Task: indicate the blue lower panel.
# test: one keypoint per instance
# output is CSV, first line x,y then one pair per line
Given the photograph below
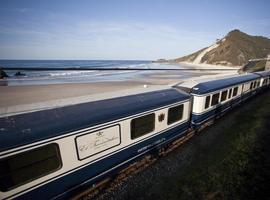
x,y
246,96
199,119
70,181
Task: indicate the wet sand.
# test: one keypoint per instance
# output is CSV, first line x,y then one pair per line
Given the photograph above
x,y
16,95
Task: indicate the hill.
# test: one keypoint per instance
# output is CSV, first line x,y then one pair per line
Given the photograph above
x,y
235,49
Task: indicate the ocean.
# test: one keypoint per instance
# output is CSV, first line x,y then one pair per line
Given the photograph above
x,y
73,63
38,77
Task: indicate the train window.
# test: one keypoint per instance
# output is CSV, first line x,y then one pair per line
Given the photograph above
x,y
175,114
207,102
27,166
254,84
230,93
251,86
215,99
142,125
224,95
235,90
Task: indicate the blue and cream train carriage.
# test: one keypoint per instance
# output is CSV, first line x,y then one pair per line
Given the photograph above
x,y
212,98
265,79
53,153
48,154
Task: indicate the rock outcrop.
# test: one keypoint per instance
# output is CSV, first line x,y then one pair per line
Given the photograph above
x,y
3,74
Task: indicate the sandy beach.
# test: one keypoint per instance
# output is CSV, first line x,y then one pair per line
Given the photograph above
x,y
20,99
29,98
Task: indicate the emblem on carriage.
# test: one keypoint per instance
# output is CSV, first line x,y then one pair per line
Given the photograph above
x,y
99,133
161,117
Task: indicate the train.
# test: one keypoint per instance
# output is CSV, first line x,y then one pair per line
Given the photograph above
x,y
51,154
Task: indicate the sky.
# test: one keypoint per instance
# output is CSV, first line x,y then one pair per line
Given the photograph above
x,y
123,29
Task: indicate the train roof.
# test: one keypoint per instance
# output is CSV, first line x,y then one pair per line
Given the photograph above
x,y
26,128
210,86
264,73
188,84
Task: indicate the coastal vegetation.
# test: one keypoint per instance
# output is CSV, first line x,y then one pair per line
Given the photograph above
x,y
235,49
254,66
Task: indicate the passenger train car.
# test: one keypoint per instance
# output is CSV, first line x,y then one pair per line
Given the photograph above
x,y
51,154
47,154
211,99
265,79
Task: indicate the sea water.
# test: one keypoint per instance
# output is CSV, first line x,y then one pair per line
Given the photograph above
x,y
59,76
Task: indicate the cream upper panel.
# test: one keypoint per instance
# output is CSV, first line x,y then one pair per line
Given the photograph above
x,y
199,101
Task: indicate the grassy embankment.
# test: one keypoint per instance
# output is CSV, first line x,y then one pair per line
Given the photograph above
x,y
259,66
254,66
237,166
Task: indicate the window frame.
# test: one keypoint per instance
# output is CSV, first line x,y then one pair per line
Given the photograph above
x,y
221,98
213,98
235,91
139,135
230,93
251,86
182,114
207,102
26,167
